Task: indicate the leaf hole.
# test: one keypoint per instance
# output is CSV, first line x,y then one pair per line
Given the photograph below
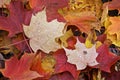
x,y
75,30
4,12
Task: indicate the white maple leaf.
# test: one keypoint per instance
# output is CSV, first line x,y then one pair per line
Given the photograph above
x,y
82,56
42,34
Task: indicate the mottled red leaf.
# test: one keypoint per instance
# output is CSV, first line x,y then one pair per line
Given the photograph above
x,y
111,76
62,76
52,7
81,39
101,38
106,58
20,69
18,16
62,65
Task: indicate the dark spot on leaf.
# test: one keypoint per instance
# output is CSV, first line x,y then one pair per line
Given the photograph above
x,y
55,3
85,52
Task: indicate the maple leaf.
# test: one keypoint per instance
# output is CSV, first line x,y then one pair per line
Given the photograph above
x,y
114,28
62,65
82,56
62,76
105,58
20,69
18,16
44,33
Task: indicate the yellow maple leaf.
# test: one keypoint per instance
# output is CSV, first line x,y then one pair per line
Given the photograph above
x,y
113,30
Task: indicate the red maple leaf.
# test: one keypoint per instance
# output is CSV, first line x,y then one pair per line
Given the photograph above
x,y
106,58
18,16
62,65
20,69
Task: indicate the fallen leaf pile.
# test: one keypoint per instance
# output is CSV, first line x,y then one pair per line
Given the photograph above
x,y
59,39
